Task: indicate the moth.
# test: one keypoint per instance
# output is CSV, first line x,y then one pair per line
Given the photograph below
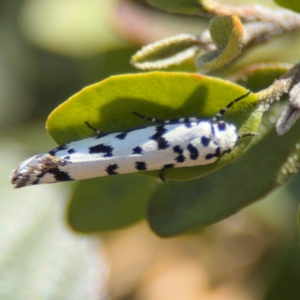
x,y
176,143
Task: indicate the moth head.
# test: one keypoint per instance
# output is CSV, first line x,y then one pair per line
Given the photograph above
x,y
226,136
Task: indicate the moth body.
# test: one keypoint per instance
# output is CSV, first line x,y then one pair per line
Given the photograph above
x,y
169,144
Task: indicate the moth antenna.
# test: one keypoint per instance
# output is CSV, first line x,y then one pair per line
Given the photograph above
x,y
99,132
219,115
150,119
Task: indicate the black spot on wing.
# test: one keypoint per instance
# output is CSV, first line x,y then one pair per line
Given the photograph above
x,y
62,147
140,166
137,150
187,123
205,141
162,143
60,175
55,150
216,154
194,153
111,169
101,148
71,151
121,136
222,126
177,149
180,158
228,150
209,156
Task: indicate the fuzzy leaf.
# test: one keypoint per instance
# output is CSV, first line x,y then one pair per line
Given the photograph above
x,y
228,34
260,75
290,4
109,203
166,52
108,105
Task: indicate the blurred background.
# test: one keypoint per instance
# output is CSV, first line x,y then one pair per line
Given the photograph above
x,y
51,49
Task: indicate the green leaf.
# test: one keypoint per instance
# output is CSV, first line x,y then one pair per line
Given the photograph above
x,y
110,202
290,4
285,271
176,208
258,76
228,34
188,7
166,52
298,218
108,105
179,207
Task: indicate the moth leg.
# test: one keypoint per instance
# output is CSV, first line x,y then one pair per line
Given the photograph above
x,y
98,132
161,172
161,175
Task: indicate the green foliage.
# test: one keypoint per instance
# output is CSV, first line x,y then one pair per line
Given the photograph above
x,y
260,242
177,206
227,33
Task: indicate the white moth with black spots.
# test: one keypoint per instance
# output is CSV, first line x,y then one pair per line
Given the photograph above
x,y
184,142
